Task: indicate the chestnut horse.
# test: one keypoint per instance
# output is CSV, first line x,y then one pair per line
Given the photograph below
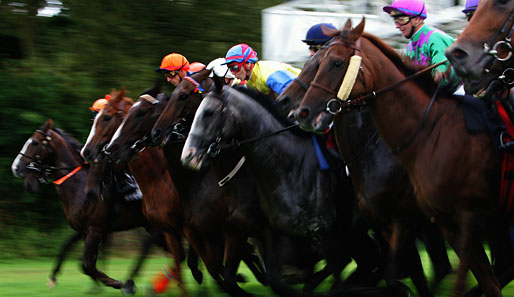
x,y
51,153
161,203
201,216
384,193
455,174
483,51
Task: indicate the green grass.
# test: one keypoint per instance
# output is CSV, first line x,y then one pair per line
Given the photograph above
x,y
21,277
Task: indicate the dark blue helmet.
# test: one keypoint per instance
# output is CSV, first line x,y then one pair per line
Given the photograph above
x,y
315,34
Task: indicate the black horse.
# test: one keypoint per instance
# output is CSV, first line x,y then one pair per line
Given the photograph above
x,y
297,197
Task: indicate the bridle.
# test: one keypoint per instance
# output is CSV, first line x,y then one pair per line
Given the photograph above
x,y
45,170
217,146
343,102
507,76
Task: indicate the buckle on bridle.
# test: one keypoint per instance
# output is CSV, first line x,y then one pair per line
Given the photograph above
x,y
507,77
494,51
333,106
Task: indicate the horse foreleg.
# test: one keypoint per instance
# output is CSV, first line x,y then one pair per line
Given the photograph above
x,y
436,250
91,243
175,246
234,249
62,255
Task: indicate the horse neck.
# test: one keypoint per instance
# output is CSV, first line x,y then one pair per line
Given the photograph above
x,y
285,148
397,112
64,155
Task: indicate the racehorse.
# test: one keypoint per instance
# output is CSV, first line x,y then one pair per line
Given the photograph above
x,y
51,153
483,51
455,174
297,197
161,203
202,217
384,194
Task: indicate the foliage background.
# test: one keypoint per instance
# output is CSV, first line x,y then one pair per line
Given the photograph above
x,y
55,67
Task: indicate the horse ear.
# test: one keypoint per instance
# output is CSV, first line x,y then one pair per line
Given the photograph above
x,y
219,82
357,32
329,31
347,26
47,125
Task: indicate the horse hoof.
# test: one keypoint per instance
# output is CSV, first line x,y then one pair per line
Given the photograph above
x,y
129,288
51,283
198,276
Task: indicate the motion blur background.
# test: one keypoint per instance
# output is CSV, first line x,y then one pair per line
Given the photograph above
x,y
57,57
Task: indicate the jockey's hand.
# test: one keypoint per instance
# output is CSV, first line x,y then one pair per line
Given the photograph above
x,y
439,75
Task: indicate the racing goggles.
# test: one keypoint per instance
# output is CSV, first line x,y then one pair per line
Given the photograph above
x,y
235,67
315,47
401,19
171,74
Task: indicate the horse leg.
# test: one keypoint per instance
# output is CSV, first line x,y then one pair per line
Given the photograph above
x,y
192,263
234,249
175,247
254,263
62,255
92,240
153,237
502,257
416,269
436,249
472,255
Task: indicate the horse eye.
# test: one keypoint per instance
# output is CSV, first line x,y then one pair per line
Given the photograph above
x,y
34,142
208,113
338,64
502,2
107,118
140,113
183,97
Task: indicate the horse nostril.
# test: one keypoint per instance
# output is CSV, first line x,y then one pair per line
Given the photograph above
x,y
458,53
303,113
86,153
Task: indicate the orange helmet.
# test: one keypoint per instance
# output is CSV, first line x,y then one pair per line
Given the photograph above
x,y
173,62
100,103
195,67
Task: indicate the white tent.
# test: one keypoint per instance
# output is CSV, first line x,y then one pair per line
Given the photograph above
x,y
285,25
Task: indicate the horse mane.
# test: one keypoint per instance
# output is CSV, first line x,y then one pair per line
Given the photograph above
x,y
267,102
405,64
75,145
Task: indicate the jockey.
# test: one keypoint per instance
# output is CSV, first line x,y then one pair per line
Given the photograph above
x,y
315,37
469,8
195,67
263,76
175,67
220,69
427,44
99,104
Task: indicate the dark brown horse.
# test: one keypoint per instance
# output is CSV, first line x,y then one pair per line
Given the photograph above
x,y
51,154
384,193
201,218
161,203
455,174
483,52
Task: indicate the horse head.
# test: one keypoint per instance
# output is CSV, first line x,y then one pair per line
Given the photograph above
x,y
133,134
45,154
183,102
292,95
315,114
105,124
213,124
483,51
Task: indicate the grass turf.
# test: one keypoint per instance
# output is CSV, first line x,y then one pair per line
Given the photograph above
x,y
21,277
